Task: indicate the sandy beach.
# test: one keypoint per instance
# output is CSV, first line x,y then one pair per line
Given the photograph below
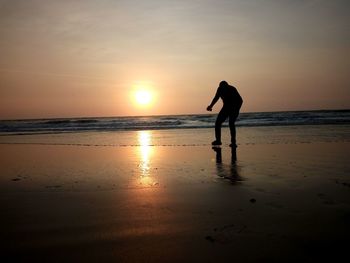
x,y
167,196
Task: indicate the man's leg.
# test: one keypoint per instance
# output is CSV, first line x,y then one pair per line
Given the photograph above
x,y
222,116
232,120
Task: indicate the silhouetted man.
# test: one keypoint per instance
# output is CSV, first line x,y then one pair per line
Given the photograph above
x,y
232,104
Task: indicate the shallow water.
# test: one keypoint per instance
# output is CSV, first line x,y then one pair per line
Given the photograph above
x,y
190,137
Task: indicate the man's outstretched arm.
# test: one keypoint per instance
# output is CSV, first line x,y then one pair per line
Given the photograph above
x,y
215,99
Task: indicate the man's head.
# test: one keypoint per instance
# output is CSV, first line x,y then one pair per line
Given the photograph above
x,y
223,84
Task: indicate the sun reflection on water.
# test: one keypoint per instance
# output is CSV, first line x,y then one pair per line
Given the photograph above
x,y
145,152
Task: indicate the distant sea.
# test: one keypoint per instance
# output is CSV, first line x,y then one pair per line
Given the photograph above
x,y
194,121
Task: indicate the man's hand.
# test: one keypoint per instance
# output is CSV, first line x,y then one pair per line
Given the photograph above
x,y
209,108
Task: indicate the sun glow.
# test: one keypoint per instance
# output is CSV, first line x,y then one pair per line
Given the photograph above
x,y
143,97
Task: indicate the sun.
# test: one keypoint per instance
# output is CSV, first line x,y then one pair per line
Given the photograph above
x,y
143,97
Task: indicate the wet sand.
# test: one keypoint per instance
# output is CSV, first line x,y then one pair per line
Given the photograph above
x,y
266,202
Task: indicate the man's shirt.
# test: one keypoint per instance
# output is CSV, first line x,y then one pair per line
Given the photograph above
x,y
230,97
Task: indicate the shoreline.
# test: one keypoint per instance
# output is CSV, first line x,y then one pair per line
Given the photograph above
x,y
157,123
184,137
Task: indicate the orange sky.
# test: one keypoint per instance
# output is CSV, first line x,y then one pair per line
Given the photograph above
x,y
83,58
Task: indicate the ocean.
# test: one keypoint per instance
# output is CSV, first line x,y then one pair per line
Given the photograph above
x,y
64,125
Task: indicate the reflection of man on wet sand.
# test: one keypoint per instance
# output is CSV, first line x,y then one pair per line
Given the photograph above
x,y
232,174
232,104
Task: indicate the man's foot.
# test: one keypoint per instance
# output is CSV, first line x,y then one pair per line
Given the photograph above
x,y
233,145
216,143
